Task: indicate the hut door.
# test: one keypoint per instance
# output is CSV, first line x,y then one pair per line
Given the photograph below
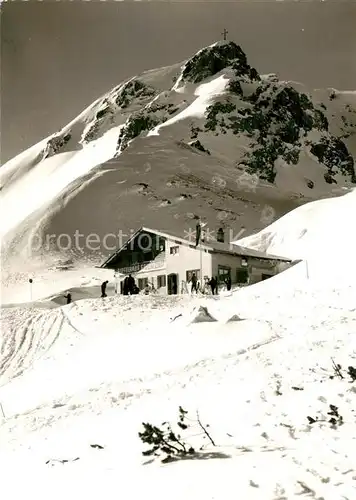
x,y
172,283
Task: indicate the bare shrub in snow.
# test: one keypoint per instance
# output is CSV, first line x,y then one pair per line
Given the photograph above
x,y
335,418
171,443
342,373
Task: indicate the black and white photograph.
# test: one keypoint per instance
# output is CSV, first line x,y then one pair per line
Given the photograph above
x,y
178,280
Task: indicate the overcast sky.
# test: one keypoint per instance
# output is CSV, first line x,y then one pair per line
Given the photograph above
x,y
59,57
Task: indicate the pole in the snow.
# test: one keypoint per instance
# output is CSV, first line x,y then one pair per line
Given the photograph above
x,y
201,240
307,268
30,281
201,267
2,411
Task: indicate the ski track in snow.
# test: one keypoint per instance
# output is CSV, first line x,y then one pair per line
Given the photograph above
x,y
241,382
286,447
40,332
33,339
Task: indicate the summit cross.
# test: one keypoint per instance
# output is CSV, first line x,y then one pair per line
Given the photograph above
x,y
224,33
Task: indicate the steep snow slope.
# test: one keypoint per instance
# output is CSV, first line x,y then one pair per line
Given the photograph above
x,y
29,158
77,382
117,363
197,109
55,175
257,143
317,230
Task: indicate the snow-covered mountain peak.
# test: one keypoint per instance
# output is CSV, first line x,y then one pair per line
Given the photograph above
x,y
215,58
195,134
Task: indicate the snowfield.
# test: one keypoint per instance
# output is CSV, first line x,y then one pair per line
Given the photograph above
x,y
50,283
311,231
91,372
53,176
205,93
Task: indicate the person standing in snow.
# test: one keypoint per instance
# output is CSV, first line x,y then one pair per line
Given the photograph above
x,y
103,289
194,283
131,284
126,285
212,284
228,283
68,297
117,281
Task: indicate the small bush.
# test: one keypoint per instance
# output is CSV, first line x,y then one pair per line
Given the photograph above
x,y
338,372
351,371
168,442
335,418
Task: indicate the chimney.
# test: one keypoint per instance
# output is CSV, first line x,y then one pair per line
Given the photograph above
x,y
220,236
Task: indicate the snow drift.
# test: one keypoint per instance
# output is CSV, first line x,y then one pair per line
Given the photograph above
x,y
318,232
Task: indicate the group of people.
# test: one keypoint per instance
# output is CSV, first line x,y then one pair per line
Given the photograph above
x,y
213,283
130,287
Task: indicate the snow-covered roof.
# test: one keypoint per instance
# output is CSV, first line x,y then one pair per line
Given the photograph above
x,y
243,251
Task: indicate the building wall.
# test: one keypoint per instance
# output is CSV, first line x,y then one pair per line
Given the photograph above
x,y
232,261
187,259
258,267
255,266
282,266
156,268
166,263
